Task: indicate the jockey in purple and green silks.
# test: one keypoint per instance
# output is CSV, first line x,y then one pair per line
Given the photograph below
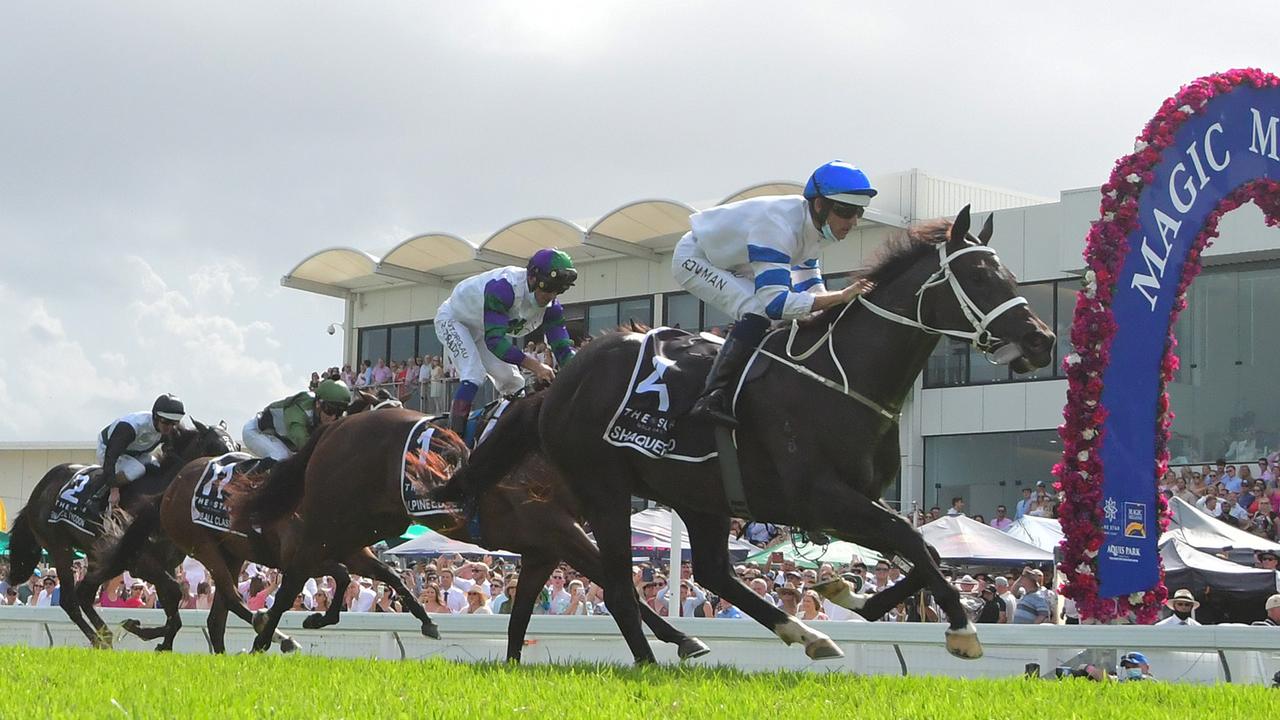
x,y
482,315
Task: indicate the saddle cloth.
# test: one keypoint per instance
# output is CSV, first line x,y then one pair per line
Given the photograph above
x,y
670,372
419,443
71,507
208,503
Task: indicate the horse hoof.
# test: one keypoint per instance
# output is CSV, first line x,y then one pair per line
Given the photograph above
x,y
964,643
164,648
822,649
131,625
691,648
259,620
288,645
840,592
431,630
314,621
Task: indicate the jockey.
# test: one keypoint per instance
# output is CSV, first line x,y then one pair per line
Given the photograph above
x,y
757,260
476,324
127,447
284,426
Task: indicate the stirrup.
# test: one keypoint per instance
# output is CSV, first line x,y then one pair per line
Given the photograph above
x,y
710,407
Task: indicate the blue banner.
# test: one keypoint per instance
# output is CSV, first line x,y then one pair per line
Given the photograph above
x,y
1232,140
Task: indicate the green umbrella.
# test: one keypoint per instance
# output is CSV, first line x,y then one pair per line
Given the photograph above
x,y
414,531
809,555
4,543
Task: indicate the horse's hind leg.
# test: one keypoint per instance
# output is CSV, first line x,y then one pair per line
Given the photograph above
x,y
151,569
585,558
290,585
534,571
217,625
712,569
367,564
341,580
70,604
612,523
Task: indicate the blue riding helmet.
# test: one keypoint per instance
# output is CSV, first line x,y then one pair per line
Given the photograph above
x,y
1134,659
842,182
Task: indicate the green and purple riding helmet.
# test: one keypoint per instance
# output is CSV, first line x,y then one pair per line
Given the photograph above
x,y
551,270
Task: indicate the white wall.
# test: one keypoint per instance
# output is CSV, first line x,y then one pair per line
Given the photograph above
x,y
21,468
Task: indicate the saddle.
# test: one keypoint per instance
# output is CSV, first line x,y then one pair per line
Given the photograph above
x,y
670,371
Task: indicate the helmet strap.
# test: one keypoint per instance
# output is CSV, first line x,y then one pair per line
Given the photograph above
x,y
819,217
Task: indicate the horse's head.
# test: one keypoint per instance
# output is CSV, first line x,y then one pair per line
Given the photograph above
x,y
974,296
363,400
202,441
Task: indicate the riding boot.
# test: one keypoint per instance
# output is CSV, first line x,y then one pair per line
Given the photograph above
x,y
98,494
460,412
716,402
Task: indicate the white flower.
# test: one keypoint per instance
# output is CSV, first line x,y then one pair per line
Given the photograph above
x,y
1108,216
1072,358
1091,403
1090,277
1187,109
1133,178
1090,291
1135,598
1084,569
1139,146
1082,456
1112,194
1084,475
1089,434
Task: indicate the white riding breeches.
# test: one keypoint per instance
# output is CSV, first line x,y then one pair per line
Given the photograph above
x,y
726,291
131,467
263,444
472,357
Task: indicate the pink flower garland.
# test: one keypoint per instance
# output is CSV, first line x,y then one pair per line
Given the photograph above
x,y
1080,472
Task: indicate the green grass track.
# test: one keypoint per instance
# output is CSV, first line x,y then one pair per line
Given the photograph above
x,y
82,683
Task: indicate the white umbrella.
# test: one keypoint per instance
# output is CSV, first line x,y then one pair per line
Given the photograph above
x,y
1044,533
959,539
433,543
1194,527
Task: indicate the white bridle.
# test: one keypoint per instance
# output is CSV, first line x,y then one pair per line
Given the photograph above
x,y
980,335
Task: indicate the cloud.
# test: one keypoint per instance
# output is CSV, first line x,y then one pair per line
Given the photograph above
x,y
48,385
54,387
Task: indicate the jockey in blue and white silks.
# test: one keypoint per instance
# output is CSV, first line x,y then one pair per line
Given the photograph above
x,y
476,323
757,261
127,448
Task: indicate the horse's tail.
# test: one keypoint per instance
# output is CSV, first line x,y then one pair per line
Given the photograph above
x,y
514,436
255,501
24,550
124,535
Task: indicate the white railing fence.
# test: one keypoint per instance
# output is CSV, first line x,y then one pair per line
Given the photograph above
x,y
1178,654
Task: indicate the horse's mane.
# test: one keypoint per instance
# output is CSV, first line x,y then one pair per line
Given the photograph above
x,y
898,253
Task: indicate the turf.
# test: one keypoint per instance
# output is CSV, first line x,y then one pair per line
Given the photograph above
x,y
81,683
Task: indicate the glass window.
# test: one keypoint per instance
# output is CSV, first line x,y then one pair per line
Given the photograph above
x,y
403,343
602,318
837,282
428,343
1066,311
373,344
682,311
713,318
982,370
947,363
575,321
637,309
1224,395
988,470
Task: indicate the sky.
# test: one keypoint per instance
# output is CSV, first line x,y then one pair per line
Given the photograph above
x,y
162,165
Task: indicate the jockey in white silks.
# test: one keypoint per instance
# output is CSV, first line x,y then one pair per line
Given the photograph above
x,y
757,261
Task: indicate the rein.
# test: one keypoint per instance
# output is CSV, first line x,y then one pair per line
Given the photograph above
x,y
979,336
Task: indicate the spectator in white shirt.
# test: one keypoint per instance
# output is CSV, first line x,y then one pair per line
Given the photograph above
x,y
1209,505
475,602
451,591
361,596
1183,604
1023,505
957,507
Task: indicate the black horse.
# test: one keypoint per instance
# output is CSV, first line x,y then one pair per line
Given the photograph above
x,y
811,455
32,532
